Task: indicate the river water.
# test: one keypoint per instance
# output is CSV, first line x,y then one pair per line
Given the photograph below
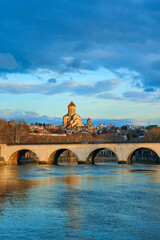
x,y
106,201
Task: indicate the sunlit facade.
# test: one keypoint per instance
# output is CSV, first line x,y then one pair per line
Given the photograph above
x,y
72,119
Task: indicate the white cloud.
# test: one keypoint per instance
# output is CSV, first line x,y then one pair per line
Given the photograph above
x,y
41,70
68,59
51,87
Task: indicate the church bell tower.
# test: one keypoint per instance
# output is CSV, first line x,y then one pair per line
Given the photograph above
x,y
71,108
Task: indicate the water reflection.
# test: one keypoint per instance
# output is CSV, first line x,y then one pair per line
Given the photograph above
x,y
71,181
80,202
11,186
72,206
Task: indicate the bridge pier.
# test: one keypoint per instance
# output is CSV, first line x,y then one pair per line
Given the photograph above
x,y
82,162
122,162
2,161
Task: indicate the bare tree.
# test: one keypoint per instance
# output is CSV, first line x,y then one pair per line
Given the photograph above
x,y
20,131
13,132
153,135
3,131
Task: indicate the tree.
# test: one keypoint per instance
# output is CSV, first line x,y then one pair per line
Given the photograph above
x,y
124,127
153,135
3,131
17,132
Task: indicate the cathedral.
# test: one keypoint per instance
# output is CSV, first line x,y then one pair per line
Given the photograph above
x,y
72,119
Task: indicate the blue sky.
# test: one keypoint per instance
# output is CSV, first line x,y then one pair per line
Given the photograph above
x,y
103,55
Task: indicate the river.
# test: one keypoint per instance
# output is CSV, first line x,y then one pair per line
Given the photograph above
x,y
106,201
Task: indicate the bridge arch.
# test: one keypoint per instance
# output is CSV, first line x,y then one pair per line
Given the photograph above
x,y
54,156
93,153
145,154
15,157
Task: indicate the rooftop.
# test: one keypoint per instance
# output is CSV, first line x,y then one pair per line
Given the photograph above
x,y
71,104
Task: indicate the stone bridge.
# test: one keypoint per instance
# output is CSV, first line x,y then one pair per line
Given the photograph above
x,y
85,152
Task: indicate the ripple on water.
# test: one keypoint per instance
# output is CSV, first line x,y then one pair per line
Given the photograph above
x,y
80,202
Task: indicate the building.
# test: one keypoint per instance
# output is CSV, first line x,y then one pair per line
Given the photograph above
x,y
89,127
101,126
89,122
35,127
72,119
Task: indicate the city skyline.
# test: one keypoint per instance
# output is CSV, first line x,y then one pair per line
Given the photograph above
x,y
105,56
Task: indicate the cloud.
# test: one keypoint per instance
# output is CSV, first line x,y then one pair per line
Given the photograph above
x,y
137,96
28,116
8,114
41,70
51,88
95,88
126,37
8,62
52,80
68,59
110,96
149,89
100,89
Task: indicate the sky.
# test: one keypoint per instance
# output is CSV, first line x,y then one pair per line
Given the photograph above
x,y
103,55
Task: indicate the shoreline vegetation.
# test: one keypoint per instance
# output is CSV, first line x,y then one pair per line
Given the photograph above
x,y
18,132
